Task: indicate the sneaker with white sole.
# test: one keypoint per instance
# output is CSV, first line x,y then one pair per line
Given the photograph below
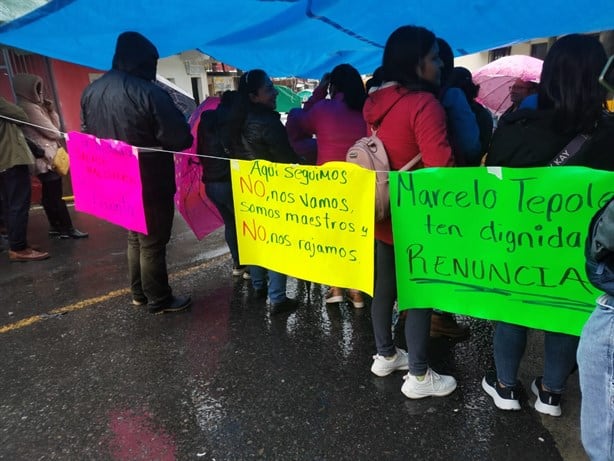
x,y
505,398
433,385
548,403
383,366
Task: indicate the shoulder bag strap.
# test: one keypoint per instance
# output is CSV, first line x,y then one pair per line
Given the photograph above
x,y
409,165
571,149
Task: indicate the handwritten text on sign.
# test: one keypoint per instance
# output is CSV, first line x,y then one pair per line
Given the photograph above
x,y
106,180
503,244
313,223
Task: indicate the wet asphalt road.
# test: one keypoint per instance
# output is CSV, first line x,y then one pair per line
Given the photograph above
x,y
98,379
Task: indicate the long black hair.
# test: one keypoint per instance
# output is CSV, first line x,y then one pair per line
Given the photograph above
x,y
405,48
348,81
569,83
249,83
461,77
447,58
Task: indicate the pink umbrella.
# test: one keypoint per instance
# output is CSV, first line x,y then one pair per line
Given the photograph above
x,y
496,77
192,202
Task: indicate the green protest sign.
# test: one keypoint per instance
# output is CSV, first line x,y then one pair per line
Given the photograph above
x,y
498,243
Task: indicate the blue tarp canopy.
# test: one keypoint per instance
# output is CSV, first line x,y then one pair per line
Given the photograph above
x,y
301,38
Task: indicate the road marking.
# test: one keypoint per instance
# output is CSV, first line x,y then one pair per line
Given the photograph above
x,y
99,299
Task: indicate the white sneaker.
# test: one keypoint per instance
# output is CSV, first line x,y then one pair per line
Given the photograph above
x,y
434,384
383,366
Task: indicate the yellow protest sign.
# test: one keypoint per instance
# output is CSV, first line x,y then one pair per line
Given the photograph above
x,y
312,223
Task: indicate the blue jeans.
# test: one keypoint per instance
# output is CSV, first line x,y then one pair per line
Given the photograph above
x,y
15,188
559,355
417,322
220,193
276,284
596,364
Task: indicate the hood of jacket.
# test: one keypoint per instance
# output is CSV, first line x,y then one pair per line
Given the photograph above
x,y
380,101
136,55
28,86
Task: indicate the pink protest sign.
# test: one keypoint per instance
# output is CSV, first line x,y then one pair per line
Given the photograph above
x,y
106,180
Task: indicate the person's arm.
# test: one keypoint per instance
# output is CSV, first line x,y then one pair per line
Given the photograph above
x,y
319,93
44,125
431,135
171,129
13,111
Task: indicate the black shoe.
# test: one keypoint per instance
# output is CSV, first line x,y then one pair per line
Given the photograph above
x,y
73,233
548,403
139,301
505,398
174,304
53,232
287,305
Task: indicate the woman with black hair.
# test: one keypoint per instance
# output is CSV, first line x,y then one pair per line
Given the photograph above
x,y
570,108
462,79
409,121
337,123
257,133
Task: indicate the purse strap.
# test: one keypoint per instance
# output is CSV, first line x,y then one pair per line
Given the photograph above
x,y
571,149
408,166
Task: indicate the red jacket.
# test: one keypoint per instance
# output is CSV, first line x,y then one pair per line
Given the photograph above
x,y
336,126
416,123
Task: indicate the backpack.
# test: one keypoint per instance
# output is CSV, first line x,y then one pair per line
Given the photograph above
x,y
599,249
369,152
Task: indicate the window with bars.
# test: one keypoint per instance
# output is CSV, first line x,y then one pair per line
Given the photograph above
x,y
497,53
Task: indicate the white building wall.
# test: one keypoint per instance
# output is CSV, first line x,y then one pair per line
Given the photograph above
x,y
174,69
476,60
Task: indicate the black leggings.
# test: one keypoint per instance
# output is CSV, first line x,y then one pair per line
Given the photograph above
x,y
54,206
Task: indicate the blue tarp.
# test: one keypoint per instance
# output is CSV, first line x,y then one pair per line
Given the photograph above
x,y
292,37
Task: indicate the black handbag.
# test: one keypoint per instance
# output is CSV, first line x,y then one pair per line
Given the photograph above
x,y
36,150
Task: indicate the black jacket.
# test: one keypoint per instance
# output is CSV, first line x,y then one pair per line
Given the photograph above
x,y
125,104
214,141
265,136
528,138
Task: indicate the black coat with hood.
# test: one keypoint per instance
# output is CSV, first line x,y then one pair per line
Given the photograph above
x,y
127,105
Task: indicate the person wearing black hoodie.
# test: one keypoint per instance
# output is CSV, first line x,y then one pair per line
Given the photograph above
x,y
127,105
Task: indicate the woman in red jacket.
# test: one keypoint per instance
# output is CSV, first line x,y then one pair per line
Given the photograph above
x,y
411,121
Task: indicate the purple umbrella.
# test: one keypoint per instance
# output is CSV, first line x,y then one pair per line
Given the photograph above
x,y
496,78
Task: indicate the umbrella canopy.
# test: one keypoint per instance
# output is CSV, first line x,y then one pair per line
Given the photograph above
x,y
287,99
191,200
496,78
304,94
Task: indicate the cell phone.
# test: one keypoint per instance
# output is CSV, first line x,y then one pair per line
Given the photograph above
x,y
607,75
